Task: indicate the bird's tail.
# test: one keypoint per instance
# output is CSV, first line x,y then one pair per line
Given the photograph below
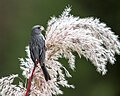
x,y
45,72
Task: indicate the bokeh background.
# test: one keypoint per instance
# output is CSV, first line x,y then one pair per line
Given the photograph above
x,y
18,16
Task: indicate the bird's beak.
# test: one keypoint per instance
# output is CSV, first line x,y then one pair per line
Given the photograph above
x,y
42,28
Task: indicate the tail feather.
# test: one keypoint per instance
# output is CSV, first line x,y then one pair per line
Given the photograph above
x,y
45,72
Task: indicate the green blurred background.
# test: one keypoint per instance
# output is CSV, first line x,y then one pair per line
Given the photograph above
x,y
18,16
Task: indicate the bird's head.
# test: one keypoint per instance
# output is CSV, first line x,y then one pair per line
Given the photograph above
x,y
37,29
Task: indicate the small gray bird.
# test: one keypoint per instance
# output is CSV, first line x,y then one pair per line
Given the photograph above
x,y
37,49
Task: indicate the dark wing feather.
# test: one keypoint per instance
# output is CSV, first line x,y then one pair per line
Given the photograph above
x,y
37,48
41,44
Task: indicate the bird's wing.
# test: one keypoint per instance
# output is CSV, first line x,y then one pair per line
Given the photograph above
x,y
87,36
34,50
32,53
41,45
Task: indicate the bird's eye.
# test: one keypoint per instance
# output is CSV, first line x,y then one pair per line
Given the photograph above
x,y
38,27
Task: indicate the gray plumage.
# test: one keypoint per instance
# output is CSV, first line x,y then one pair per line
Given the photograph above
x,y
37,49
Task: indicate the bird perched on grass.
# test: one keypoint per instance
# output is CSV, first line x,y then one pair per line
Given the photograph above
x,y
37,52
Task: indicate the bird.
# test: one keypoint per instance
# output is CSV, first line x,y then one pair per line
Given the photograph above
x,y
37,53
37,49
